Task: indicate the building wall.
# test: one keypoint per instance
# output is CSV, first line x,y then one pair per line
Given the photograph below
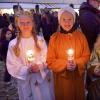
x,y
46,1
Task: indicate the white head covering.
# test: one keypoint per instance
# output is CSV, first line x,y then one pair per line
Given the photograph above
x,y
68,9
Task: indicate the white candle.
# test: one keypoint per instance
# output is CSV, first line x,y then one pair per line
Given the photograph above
x,y
30,55
70,53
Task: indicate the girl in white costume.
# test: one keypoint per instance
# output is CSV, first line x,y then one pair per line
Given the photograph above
x,y
35,81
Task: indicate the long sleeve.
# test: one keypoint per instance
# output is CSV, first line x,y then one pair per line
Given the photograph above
x,y
59,43
43,54
15,66
57,65
44,51
41,59
83,59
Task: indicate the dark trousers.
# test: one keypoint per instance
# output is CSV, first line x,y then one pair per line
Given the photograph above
x,y
94,90
7,76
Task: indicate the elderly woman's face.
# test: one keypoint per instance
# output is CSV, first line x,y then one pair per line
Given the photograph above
x,y
66,21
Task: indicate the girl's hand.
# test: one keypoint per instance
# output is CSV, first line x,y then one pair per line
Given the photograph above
x,y
35,68
71,65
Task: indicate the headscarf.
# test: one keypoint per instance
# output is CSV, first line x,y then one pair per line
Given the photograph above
x,y
68,9
75,15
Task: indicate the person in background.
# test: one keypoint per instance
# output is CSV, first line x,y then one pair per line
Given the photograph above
x,y
47,24
37,18
55,22
26,61
71,5
6,37
93,70
17,9
68,52
89,19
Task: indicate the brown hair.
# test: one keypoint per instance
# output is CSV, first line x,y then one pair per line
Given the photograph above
x,y
34,33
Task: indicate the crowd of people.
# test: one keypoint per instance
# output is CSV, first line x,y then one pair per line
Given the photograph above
x,y
63,63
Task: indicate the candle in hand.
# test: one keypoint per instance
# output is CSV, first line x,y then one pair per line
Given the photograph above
x,y
70,64
30,55
70,54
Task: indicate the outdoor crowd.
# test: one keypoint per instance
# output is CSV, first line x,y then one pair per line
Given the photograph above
x,y
53,55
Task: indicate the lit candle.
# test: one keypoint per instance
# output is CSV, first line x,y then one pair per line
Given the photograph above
x,y
30,55
70,53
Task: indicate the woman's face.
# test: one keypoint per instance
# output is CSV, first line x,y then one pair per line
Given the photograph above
x,y
25,24
66,21
8,35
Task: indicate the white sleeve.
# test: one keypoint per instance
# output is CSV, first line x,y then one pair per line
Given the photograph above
x,y
42,57
14,65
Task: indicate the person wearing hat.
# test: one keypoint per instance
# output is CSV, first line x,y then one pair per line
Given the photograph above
x,y
68,52
89,19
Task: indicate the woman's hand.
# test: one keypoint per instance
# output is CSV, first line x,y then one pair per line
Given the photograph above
x,y
97,70
71,65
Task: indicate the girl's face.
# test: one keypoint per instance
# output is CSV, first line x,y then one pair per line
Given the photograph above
x,y
8,35
25,24
66,21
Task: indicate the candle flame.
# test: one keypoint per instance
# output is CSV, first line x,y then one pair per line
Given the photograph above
x,y
30,55
70,53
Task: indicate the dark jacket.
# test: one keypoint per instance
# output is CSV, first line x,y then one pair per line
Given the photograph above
x,y
4,49
89,22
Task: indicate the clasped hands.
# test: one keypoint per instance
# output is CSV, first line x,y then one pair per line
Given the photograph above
x,y
71,65
33,68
